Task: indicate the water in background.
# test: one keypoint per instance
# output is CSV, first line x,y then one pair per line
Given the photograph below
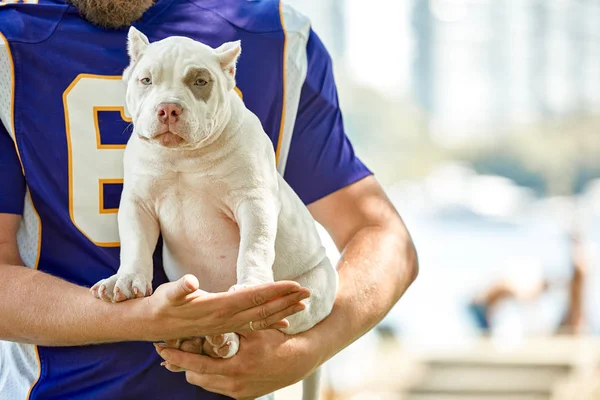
x,y
471,230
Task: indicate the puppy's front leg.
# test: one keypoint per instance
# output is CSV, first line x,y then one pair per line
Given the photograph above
x,y
138,232
257,220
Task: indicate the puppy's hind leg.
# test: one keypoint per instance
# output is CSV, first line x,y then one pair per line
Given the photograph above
x,y
222,346
322,281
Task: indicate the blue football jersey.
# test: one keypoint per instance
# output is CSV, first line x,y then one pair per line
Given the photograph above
x,y
63,131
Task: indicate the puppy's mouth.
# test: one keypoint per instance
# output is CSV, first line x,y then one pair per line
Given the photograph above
x,y
168,139
165,139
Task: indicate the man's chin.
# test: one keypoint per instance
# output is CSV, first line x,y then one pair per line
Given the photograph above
x,y
112,14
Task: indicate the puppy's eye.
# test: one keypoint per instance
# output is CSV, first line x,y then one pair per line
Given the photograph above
x,y
200,82
146,81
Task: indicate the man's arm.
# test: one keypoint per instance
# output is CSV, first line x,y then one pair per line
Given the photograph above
x,y
41,309
377,265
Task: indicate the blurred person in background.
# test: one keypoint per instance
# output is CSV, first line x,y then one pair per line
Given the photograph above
x,y
522,292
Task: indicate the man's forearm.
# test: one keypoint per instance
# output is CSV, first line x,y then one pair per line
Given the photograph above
x,y
376,268
41,309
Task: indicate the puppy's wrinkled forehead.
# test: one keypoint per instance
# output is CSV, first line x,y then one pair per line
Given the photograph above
x,y
182,59
179,48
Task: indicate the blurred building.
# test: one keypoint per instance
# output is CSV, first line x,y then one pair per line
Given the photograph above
x,y
328,19
492,64
476,67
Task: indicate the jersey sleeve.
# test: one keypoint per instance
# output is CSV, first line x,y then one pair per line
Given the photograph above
x,y
321,158
12,182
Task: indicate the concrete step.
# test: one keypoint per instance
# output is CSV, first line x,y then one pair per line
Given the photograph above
x,y
492,378
474,396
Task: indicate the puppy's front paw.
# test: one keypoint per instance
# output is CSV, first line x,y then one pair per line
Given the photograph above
x,y
121,287
223,346
248,284
238,287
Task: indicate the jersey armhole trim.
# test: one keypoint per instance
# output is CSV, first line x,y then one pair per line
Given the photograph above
x,y
296,29
284,82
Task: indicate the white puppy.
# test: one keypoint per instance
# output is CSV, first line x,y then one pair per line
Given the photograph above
x,y
199,169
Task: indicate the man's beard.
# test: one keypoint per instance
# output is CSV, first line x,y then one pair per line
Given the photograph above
x,y
112,14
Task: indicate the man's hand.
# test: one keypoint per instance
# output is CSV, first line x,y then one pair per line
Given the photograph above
x,y
266,362
180,310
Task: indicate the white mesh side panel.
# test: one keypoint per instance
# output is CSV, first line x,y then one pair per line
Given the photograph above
x,y
18,370
5,85
19,367
297,28
28,236
29,230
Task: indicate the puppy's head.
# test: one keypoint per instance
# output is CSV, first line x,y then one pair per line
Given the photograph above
x,y
177,88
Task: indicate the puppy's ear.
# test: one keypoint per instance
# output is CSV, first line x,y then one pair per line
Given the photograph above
x,y
136,44
228,54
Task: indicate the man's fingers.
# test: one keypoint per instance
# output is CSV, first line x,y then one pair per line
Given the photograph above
x,y
172,367
179,289
193,345
279,325
173,343
267,322
195,362
190,345
247,298
213,383
272,312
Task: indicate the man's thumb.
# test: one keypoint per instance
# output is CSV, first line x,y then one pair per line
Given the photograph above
x,y
185,285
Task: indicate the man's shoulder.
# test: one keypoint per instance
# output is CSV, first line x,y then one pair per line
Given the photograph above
x,y
257,16
30,21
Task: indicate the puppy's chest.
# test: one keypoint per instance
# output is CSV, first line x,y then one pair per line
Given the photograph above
x,y
191,205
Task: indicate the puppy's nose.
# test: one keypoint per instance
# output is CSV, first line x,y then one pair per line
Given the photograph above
x,y
168,113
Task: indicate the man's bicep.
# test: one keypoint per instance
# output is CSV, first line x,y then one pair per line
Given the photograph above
x,y
12,182
321,159
356,206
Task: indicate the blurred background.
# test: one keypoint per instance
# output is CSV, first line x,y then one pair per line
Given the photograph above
x,y
481,118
